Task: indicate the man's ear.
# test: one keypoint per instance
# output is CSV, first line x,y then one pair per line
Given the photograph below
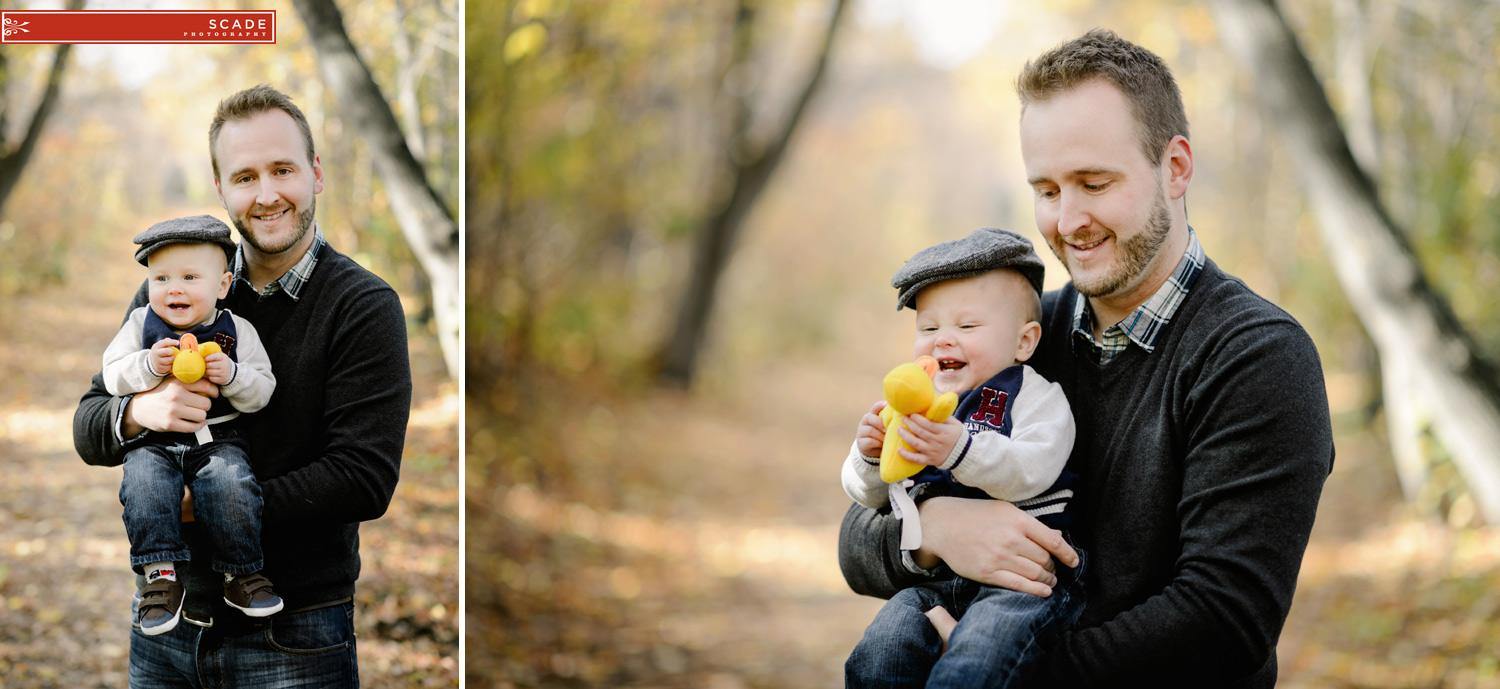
x,y
317,167
1178,162
1031,334
220,191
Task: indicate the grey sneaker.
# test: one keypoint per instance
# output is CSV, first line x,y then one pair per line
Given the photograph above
x,y
160,606
252,594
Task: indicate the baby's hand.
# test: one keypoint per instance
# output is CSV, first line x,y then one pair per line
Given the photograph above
x,y
871,435
161,356
931,441
218,368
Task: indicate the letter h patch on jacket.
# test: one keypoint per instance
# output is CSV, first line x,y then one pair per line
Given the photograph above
x,y
991,409
988,406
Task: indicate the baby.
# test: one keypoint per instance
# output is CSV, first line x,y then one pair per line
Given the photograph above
x,y
978,305
187,261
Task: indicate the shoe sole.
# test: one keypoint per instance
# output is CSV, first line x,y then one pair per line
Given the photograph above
x,y
164,627
257,612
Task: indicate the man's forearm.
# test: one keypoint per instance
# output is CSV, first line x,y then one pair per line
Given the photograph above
x,y
356,473
344,485
94,427
870,553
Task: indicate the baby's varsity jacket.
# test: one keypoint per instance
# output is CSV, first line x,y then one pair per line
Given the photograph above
x,y
1020,433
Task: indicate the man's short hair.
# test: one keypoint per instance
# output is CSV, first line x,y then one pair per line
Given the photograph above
x,y
248,103
1138,73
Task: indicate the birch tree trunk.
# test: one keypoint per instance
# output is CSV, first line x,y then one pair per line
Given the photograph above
x,y
1428,356
425,220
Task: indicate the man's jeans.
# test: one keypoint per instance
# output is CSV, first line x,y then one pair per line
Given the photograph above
x,y
312,649
226,499
1000,634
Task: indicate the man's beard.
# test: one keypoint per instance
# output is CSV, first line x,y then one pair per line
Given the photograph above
x,y
1135,254
304,224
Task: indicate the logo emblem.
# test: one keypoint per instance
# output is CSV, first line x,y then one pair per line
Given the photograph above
x,y
14,27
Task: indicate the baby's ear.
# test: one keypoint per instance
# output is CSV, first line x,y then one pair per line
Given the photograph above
x,y
224,283
1030,335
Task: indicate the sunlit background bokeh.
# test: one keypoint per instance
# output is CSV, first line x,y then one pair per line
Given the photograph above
x,y
625,532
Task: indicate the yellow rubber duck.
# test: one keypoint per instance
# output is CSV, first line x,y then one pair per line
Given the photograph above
x,y
188,365
908,390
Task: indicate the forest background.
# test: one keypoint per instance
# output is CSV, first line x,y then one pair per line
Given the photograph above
x,y
627,530
126,146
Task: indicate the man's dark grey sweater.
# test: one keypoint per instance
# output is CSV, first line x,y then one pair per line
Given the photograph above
x,y
326,450
1201,464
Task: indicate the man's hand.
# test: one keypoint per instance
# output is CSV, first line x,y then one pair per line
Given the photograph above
x,y
992,542
172,406
870,438
931,441
218,368
161,356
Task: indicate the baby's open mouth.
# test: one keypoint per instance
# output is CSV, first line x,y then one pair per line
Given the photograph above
x,y
951,364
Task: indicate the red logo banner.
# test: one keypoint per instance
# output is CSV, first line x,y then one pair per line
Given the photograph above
x,y
139,26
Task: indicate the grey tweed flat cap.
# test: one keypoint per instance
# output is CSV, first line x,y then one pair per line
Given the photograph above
x,y
197,229
985,249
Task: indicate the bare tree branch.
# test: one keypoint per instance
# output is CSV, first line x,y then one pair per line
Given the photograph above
x,y
719,233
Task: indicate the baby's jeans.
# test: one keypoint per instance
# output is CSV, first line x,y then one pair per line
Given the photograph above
x,y
1001,634
226,499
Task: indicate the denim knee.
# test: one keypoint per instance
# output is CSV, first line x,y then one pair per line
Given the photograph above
x,y
226,476
899,646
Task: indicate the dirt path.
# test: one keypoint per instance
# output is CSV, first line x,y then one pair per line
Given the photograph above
x,y
690,541
65,586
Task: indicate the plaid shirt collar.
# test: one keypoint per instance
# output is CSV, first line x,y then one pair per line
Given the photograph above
x,y
1144,325
294,279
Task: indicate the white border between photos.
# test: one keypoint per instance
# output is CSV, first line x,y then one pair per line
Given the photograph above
x,y
463,379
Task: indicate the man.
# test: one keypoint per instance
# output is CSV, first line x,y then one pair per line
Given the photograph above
x,y
1203,425
326,449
